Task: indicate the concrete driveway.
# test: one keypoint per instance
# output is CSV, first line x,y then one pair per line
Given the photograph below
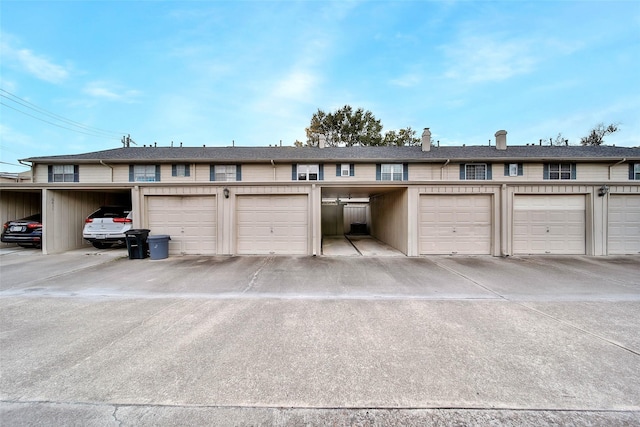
x,y
93,338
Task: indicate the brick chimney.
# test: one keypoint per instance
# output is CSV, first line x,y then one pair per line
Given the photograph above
x,y
501,140
426,139
322,140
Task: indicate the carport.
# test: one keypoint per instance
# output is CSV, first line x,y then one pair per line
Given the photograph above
x,y
63,209
66,209
19,203
380,212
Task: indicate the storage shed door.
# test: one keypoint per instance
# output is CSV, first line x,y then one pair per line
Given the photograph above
x,y
190,221
272,224
549,224
458,224
624,224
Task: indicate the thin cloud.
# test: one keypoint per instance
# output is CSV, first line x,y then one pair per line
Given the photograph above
x,y
106,91
407,80
37,65
478,59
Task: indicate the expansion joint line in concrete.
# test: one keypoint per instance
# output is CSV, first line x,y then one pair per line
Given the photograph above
x,y
354,246
556,319
480,285
578,328
118,406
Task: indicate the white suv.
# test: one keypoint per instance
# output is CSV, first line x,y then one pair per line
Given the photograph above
x,y
107,226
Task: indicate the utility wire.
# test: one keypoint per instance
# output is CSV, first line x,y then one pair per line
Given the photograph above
x,y
55,124
14,98
13,164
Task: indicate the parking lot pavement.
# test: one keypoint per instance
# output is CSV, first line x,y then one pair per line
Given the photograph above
x,y
319,340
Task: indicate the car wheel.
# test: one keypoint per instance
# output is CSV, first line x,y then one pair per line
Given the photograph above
x,y
101,245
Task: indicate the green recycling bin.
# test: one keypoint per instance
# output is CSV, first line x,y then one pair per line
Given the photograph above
x,y
158,246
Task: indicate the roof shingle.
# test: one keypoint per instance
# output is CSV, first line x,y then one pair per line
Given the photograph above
x,y
346,154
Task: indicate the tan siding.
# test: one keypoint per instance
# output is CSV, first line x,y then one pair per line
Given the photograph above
x,y
259,173
365,172
620,172
390,219
40,174
425,172
94,173
202,172
592,172
269,189
182,190
283,172
355,213
121,173
451,172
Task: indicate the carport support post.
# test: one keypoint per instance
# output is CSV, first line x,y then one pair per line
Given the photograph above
x,y
46,229
47,221
316,215
136,207
504,251
413,220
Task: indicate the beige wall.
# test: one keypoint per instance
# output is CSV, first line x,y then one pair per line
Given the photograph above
x,y
119,173
40,173
95,174
389,218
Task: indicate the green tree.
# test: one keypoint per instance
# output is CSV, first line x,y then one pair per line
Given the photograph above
x,y
344,128
406,136
597,134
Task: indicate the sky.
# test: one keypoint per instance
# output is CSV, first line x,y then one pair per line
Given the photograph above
x,y
76,76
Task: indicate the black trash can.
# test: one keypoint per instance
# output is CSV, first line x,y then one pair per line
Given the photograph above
x,y
358,228
137,244
159,246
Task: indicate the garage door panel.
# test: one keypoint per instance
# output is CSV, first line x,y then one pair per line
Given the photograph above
x,y
272,224
189,220
624,224
455,224
549,224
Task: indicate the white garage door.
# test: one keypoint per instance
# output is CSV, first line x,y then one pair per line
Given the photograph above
x,y
189,220
272,224
549,224
455,224
624,224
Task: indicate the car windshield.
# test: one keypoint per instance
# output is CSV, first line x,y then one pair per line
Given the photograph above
x,y
111,212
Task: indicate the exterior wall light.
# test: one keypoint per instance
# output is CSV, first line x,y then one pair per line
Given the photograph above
x,y
226,193
603,190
